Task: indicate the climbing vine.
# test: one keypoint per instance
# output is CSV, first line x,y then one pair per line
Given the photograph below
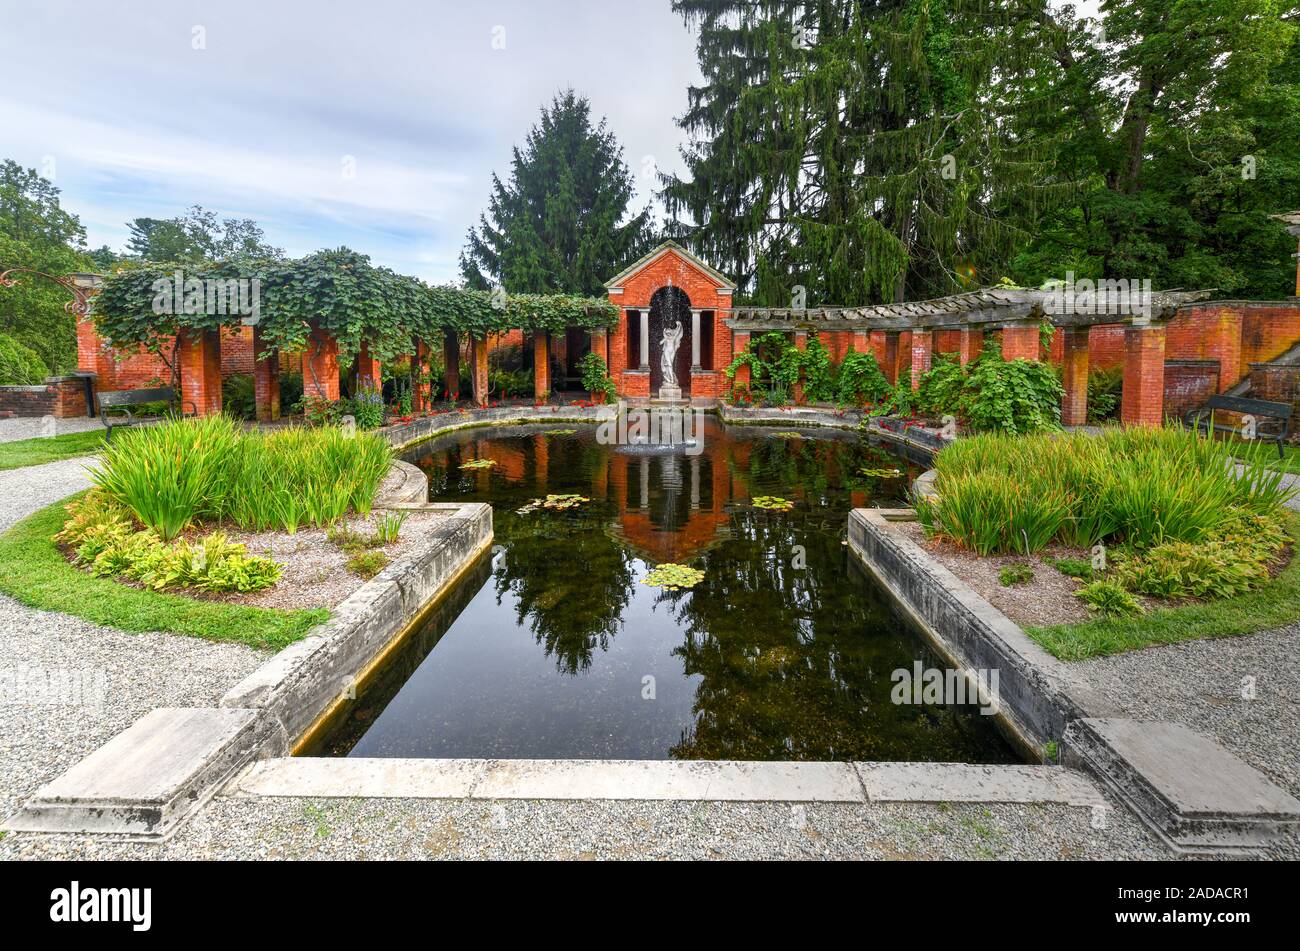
x,y
339,291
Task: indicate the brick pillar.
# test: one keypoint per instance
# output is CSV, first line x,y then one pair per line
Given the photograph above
x,y
1074,375
480,348
368,375
451,364
320,367
200,356
879,346
890,362
1020,342
266,379
419,389
922,350
739,343
861,342
541,366
1144,376
969,345
800,343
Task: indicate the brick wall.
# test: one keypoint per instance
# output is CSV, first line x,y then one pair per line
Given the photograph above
x,y
1188,384
1275,381
59,396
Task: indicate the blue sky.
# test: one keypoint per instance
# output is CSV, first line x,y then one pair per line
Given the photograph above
x,y
259,109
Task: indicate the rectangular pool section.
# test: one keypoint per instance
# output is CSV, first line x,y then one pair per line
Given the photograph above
x,y
553,647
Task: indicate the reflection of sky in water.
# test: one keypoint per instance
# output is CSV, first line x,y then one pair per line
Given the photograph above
x,y
555,649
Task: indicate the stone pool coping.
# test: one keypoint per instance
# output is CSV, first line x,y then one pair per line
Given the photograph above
x,y
144,782
1190,790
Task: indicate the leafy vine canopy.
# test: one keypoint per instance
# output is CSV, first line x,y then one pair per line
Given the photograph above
x,y
339,291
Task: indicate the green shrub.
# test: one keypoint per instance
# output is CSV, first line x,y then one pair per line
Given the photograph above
x,y
20,365
943,387
367,564
1022,396
1074,568
860,380
183,471
1201,570
1140,487
1104,390
388,525
1012,575
367,408
1109,600
290,390
595,377
237,397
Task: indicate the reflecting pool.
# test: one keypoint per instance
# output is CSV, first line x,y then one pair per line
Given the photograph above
x,y
551,647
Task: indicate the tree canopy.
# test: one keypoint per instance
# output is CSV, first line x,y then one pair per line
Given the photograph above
x,y
557,225
198,235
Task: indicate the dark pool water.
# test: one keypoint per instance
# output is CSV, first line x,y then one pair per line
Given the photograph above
x,y
551,647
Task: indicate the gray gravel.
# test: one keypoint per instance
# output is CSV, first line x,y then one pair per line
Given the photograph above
x,y
12,430
127,674
1199,683
232,828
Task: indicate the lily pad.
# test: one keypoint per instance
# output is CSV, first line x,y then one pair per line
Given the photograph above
x,y
479,464
773,503
560,502
559,432
673,577
787,435
882,473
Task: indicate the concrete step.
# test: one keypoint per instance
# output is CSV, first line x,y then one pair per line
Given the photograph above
x,y
1196,795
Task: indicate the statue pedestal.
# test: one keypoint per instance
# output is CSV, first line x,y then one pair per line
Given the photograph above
x,y
670,392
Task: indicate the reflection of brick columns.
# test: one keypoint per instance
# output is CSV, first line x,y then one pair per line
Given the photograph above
x,y
368,375
200,356
451,364
320,371
695,482
645,482
1074,375
1021,342
740,342
922,345
541,460
266,379
800,343
1144,376
480,348
541,366
695,339
969,345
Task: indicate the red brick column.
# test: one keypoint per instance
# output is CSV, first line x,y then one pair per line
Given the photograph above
x,y
800,343
451,364
740,342
368,375
266,379
541,365
889,364
419,390
1021,342
969,345
1074,375
1144,376
320,367
861,342
922,352
200,356
878,346
480,348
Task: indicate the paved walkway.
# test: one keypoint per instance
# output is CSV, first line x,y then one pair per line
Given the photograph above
x,y
11,430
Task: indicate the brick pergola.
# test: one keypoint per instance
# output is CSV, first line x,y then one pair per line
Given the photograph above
x,y
901,336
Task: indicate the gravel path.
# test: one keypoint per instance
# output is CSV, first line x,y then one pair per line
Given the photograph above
x,y
1199,683
118,676
11,430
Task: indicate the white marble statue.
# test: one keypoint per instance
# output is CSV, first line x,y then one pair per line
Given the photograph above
x,y
672,339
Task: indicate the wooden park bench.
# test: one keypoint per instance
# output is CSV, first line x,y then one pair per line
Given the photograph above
x,y
1203,418
122,399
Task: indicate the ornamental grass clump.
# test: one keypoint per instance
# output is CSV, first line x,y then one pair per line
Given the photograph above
x,y
176,474
1136,487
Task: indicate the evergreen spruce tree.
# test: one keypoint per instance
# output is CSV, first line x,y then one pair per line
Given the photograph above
x,y
868,151
558,224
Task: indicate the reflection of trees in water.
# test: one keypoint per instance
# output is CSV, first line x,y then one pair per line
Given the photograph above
x,y
785,672
571,580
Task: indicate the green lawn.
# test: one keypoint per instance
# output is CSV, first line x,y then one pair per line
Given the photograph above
x,y
1274,605
34,571
33,452
1290,462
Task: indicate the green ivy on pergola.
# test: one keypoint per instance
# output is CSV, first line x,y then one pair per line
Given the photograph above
x,y
339,292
